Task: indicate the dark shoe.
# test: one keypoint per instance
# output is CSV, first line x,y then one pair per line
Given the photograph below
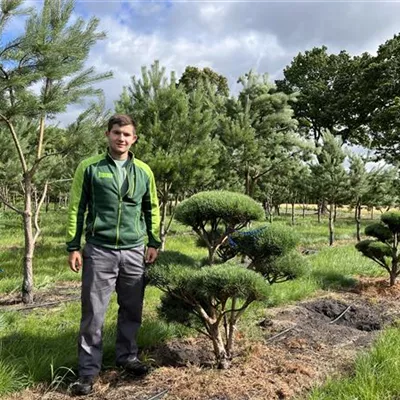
x,y
83,386
135,367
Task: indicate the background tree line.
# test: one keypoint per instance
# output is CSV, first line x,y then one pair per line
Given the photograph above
x,y
283,142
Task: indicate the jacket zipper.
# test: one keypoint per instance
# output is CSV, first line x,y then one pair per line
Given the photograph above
x,y
119,209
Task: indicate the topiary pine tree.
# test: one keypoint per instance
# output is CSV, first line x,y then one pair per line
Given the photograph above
x,y
211,299
208,299
208,212
272,251
384,250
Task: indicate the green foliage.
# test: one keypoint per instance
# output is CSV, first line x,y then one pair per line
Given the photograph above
x,y
194,78
374,250
219,282
384,250
379,231
230,208
208,212
392,220
287,267
267,242
330,93
272,252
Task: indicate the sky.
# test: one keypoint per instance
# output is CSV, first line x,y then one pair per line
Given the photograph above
x,y
231,37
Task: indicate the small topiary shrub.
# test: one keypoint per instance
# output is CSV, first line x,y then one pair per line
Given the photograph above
x,y
214,215
384,250
272,251
212,298
208,299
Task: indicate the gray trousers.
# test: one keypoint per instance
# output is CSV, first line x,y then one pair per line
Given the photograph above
x,y
106,270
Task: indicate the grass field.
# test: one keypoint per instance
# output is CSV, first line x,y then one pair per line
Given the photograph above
x,y
40,346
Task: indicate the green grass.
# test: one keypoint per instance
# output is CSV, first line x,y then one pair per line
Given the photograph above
x,y
40,346
376,374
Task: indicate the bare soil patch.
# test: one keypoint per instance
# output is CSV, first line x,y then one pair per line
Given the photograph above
x,y
302,344
60,293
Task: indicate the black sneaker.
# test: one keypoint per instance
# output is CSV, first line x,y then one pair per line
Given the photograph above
x,y
135,367
83,386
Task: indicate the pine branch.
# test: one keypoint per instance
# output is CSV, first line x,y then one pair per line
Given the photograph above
x,y
37,212
3,199
16,141
38,160
9,47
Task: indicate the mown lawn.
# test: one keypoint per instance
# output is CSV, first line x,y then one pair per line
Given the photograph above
x,y
40,346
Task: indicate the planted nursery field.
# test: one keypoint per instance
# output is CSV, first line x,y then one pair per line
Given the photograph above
x,y
307,331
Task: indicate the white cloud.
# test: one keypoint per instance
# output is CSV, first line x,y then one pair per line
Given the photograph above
x,y
229,37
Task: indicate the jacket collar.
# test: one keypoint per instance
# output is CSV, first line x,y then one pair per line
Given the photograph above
x,y
131,156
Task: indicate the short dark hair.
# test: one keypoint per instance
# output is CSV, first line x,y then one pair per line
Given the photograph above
x,y
120,120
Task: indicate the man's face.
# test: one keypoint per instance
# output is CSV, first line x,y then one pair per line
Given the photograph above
x,y
120,139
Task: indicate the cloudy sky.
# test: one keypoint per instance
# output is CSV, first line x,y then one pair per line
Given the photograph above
x,y
230,37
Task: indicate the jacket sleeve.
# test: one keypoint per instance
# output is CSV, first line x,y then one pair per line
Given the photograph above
x,y
78,200
151,213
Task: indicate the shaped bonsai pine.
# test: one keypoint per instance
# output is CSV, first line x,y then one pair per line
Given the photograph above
x,y
384,249
214,215
272,251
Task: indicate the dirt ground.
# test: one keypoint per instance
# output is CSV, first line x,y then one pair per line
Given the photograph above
x,y
302,344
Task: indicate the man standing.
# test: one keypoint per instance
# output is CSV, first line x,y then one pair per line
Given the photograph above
x,y
119,193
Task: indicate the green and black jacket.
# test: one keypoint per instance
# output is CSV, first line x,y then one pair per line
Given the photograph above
x,y
114,220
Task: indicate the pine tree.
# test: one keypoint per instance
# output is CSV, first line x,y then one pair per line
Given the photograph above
x,y
174,129
330,177
50,55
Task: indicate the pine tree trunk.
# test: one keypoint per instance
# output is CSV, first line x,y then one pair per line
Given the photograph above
x,y
395,261
293,219
232,327
331,225
247,182
335,213
163,216
319,212
211,255
27,285
357,217
219,348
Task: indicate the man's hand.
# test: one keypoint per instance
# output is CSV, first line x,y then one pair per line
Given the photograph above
x,y
151,255
75,260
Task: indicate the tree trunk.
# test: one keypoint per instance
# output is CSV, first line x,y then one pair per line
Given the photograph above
x,y
395,261
335,213
211,255
372,212
232,328
331,225
219,348
304,208
357,217
247,182
163,216
319,211
293,219
286,208
27,285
